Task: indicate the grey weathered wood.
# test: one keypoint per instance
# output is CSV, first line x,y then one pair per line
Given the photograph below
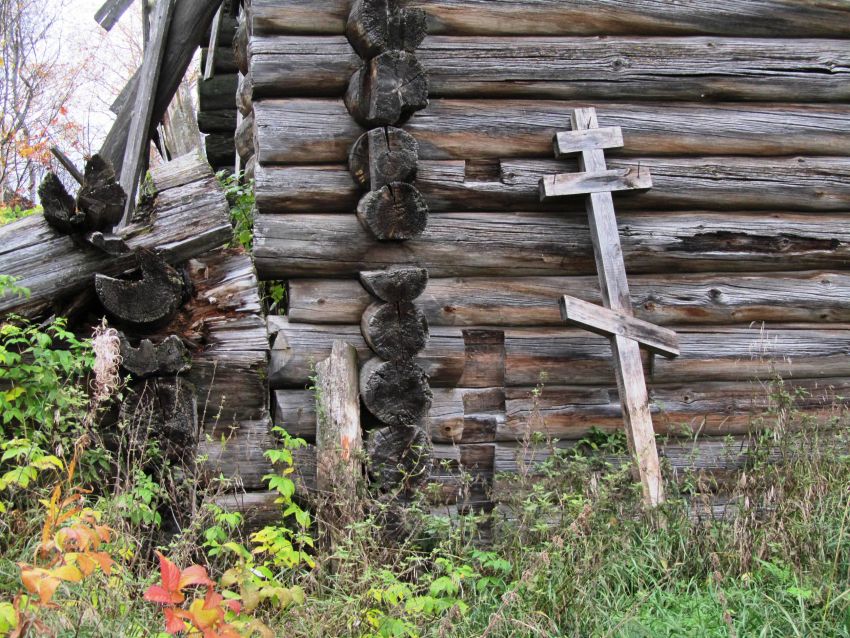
x,y
218,93
220,121
611,68
394,212
576,357
385,90
571,142
771,18
213,45
67,164
304,130
338,437
708,183
376,26
244,137
138,135
240,44
244,94
100,199
397,393
606,181
667,299
475,244
394,331
382,156
190,217
220,149
395,284
399,458
168,357
110,12
607,322
224,62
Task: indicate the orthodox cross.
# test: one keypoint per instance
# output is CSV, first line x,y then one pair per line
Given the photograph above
x,y
615,320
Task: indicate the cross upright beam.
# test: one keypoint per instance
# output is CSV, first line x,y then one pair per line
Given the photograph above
x,y
608,252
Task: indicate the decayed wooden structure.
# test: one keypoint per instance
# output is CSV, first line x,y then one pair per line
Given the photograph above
x,y
740,112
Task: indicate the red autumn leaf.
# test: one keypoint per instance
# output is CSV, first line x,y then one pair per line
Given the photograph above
x,y
173,622
174,581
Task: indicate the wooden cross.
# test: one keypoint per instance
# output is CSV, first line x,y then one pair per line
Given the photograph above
x,y
615,320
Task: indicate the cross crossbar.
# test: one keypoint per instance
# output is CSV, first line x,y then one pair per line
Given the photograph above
x,y
624,179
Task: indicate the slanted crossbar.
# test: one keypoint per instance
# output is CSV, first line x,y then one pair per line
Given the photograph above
x,y
616,319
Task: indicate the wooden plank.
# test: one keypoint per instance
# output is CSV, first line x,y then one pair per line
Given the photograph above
x,y
477,244
613,68
709,183
762,18
110,12
68,165
606,181
628,367
138,135
668,299
320,130
571,142
607,322
212,47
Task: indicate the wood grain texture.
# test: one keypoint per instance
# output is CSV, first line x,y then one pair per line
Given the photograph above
x,y
817,18
320,130
711,183
528,244
675,298
576,357
692,68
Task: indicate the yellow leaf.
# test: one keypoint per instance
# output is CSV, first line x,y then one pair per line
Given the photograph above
x,y
67,572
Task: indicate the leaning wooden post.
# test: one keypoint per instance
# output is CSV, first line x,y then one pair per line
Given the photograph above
x,y
338,438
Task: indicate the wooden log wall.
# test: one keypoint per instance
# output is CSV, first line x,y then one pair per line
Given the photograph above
x,y
740,112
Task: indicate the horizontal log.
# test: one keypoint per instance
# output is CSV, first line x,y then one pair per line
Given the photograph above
x,y
190,217
526,244
615,68
533,301
765,18
304,130
224,61
571,413
576,357
223,121
710,183
219,92
220,149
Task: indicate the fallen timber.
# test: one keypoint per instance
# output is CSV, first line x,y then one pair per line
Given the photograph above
x,y
818,18
573,357
304,130
532,244
709,183
618,68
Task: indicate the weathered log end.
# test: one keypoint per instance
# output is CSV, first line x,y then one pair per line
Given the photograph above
x,y
399,457
170,357
382,156
387,90
395,212
397,283
168,409
376,26
101,199
152,299
396,393
111,244
60,210
395,331
240,46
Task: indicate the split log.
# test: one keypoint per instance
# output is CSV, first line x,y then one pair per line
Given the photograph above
x,y
711,183
338,438
394,331
60,209
573,412
532,301
101,199
394,212
376,26
386,90
611,68
575,357
167,358
190,216
218,93
383,156
399,458
395,284
244,138
475,244
303,131
769,18
397,393
151,299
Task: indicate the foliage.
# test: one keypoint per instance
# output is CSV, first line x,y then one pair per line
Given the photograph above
x,y
11,213
240,198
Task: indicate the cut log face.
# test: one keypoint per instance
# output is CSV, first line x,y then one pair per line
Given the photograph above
x,y
399,457
149,300
395,331
170,357
376,26
395,212
101,198
382,156
60,211
168,408
396,393
397,283
387,90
